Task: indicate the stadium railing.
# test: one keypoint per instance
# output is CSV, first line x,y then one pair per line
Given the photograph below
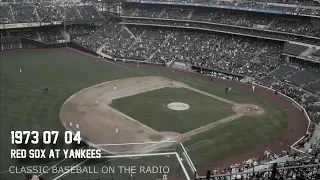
x,y
278,170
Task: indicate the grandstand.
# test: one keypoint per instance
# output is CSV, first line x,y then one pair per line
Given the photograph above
x,y
313,87
303,77
249,41
294,49
317,53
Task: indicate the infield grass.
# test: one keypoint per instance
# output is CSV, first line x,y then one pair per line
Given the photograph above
x,y
151,109
23,106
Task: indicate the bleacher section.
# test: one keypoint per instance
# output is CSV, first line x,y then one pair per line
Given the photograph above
x,y
317,53
267,81
279,73
283,71
5,14
303,77
44,12
294,49
314,87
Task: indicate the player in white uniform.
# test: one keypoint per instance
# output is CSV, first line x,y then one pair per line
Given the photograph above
x,y
70,123
117,129
253,87
114,87
20,69
77,125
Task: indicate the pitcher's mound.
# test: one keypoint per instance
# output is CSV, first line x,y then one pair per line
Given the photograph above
x,y
178,106
248,109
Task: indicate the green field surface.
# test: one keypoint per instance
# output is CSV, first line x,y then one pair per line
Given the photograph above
x,y
151,109
24,107
244,133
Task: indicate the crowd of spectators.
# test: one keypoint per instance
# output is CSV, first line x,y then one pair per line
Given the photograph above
x,y
80,30
88,12
233,29
52,35
162,45
290,6
306,26
38,11
98,36
24,13
298,166
30,34
6,14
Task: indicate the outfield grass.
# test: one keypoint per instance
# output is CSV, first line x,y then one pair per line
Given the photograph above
x,y
244,133
24,107
151,109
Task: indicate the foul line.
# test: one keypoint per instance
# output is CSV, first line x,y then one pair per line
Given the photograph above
x,y
210,126
150,142
70,169
109,61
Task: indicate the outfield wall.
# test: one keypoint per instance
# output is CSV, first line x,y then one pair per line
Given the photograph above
x,y
41,45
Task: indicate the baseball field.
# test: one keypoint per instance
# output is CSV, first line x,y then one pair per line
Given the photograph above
x,y
146,103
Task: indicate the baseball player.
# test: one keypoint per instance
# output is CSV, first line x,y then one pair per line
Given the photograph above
x,y
77,125
117,129
253,87
70,123
114,87
45,90
20,69
164,177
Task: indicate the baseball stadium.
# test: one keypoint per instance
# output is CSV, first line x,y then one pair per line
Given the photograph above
x,y
165,90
